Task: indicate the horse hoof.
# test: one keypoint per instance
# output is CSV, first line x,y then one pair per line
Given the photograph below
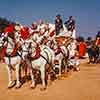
x,y
18,86
78,69
11,84
32,86
59,77
66,75
43,89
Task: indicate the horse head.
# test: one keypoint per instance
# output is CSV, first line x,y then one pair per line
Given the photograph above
x,y
11,46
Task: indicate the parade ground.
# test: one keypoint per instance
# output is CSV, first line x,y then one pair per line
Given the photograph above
x,y
82,85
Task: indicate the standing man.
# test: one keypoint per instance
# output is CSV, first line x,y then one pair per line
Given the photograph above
x,y
58,24
70,25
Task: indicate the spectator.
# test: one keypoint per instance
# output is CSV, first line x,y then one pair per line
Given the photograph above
x,y
82,49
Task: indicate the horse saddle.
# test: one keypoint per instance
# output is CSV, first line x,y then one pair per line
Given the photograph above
x,y
36,54
62,40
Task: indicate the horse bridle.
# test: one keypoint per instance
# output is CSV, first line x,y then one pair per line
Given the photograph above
x,y
2,42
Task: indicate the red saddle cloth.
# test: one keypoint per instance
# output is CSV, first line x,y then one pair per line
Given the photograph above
x,y
37,53
52,34
58,50
14,52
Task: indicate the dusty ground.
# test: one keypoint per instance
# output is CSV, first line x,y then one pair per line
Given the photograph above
x,y
83,85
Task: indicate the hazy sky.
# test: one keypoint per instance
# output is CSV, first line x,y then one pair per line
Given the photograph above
x,y
85,12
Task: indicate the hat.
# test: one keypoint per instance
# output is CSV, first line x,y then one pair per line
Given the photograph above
x,y
58,15
70,16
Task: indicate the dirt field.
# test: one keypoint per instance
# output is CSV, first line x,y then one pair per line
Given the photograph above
x,y
83,85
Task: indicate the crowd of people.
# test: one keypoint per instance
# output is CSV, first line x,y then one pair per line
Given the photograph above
x,y
91,47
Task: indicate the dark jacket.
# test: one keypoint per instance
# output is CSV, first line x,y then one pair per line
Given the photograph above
x,y
70,24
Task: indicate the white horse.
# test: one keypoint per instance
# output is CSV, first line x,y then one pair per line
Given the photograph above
x,y
61,54
12,59
73,59
71,46
46,57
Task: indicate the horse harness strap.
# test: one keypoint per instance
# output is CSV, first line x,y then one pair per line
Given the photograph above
x,y
45,59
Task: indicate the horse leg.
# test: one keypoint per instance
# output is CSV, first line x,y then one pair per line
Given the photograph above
x,y
28,62
18,83
11,83
60,64
66,68
77,65
42,70
90,59
32,86
50,73
24,69
49,79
